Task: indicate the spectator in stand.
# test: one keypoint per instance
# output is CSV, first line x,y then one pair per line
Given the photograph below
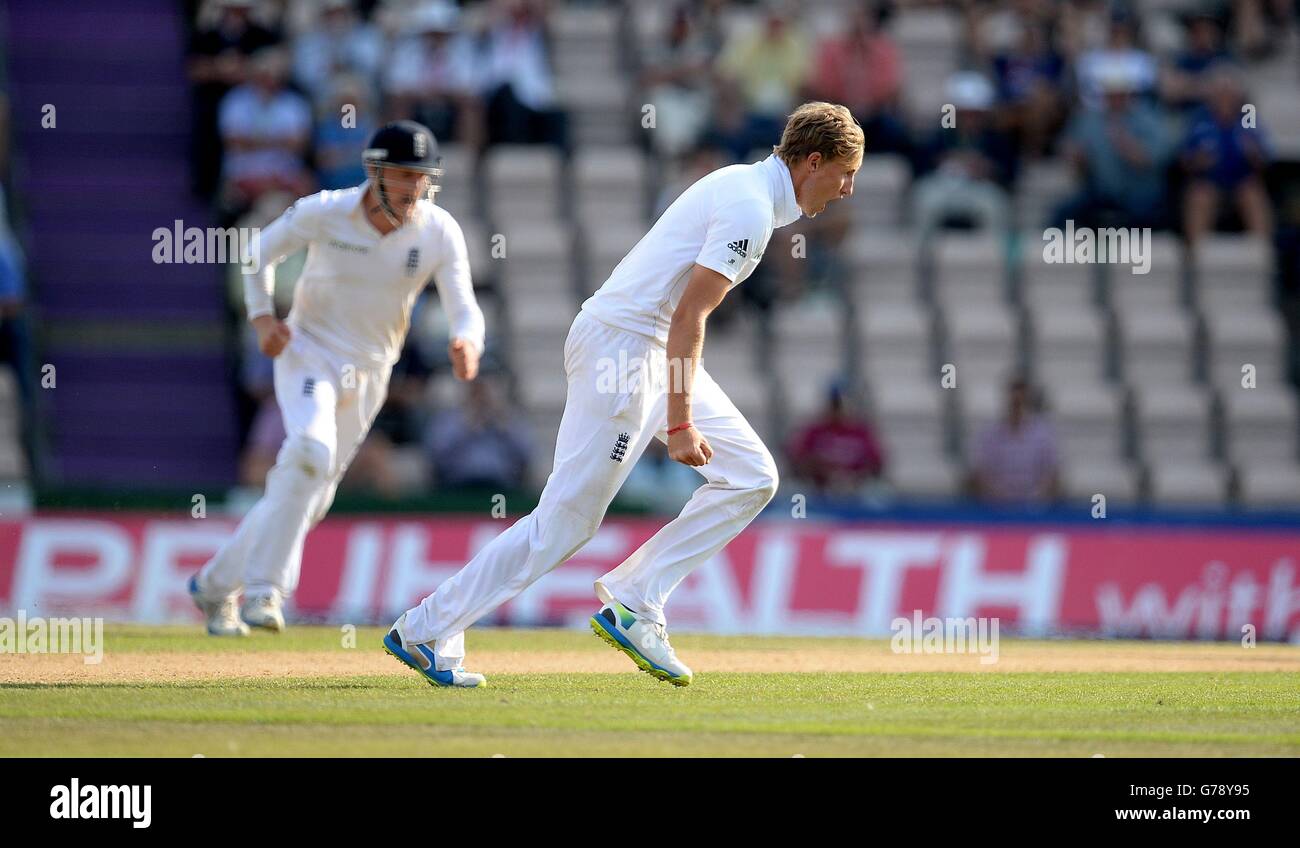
x,y
729,129
479,443
15,349
433,79
518,83
677,80
338,43
1121,151
862,70
769,66
1009,19
1081,25
968,168
1031,89
1183,84
1225,160
338,147
1016,460
838,452
217,62
1258,26
1123,54
265,128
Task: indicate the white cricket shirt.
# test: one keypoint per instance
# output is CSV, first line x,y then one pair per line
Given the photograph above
x,y
357,287
723,222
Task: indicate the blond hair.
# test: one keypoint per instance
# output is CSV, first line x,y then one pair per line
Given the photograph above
x,y
818,127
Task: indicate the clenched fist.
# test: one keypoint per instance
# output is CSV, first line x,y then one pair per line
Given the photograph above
x,y
464,359
272,334
689,447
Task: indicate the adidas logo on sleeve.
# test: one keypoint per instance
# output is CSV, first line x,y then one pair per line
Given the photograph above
x,y
741,246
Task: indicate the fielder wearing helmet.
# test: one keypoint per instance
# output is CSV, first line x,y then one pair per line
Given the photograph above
x,y
371,251
402,162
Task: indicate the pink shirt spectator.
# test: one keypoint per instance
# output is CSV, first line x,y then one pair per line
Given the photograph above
x,y
837,450
864,75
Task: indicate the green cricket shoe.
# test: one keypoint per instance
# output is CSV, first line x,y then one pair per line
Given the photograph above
x,y
642,639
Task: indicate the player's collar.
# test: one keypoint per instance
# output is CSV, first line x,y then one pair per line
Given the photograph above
x,y
785,207
359,208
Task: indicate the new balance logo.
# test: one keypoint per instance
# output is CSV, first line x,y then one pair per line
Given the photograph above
x,y
620,447
740,246
309,387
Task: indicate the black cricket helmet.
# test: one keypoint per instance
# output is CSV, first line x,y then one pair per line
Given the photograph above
x,y
406,145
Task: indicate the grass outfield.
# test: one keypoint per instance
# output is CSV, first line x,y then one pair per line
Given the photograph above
x,y
175,692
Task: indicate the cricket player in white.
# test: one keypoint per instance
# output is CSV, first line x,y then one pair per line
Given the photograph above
x,y
371,251
651,313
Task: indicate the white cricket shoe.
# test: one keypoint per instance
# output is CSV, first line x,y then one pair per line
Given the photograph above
x,y
264,611
642,639
221,614
420,657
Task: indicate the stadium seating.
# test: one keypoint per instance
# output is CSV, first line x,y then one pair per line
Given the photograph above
x,y
1171,386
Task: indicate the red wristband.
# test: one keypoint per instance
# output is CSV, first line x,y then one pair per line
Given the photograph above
x,y
684,425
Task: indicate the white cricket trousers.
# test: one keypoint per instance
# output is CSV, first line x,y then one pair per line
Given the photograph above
x,y
327,405
607,424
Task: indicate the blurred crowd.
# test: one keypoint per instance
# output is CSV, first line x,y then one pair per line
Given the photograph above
x,y
275,112
1156,140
